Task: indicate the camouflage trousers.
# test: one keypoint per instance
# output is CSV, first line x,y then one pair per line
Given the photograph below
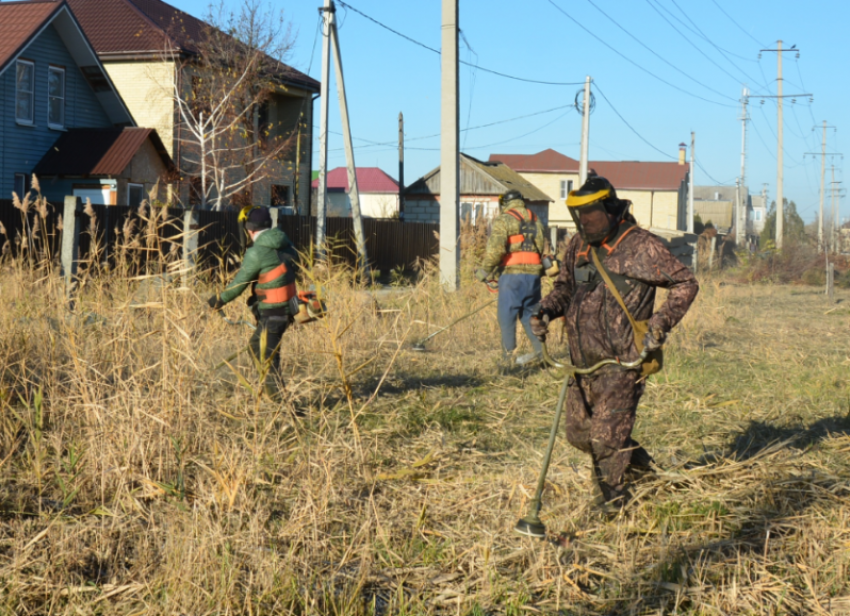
x,y
600,417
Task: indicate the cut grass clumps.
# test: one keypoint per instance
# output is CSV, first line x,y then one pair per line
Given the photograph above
x,y
138,478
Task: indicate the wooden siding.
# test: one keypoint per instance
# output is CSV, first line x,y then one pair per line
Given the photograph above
x,y
21,147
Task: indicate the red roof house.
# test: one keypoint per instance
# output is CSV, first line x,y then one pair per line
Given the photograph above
x,y
378,192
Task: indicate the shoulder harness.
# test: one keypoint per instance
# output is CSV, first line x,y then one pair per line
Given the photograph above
x,y
585,271
527,253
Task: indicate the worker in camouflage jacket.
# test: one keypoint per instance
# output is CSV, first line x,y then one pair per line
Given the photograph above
x,y
267,268
601,407
513,256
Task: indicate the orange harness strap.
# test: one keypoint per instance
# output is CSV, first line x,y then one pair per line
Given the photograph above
x,y
278,295
520,258
277,272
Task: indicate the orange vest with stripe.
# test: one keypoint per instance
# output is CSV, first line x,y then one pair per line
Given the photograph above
x,y
522,256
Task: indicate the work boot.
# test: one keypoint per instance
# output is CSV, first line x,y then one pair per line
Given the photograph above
x,y
529,359
606,500
641,463
506,364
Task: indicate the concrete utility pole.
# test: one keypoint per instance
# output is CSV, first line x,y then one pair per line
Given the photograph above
x,y
322,195
741,219
780,205
449,153
822,241
400,166
353,191
585,134
691,186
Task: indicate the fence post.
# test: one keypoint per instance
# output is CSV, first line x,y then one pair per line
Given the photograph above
x,y
71,246
553,240
190,241
274,213
830,282
711,252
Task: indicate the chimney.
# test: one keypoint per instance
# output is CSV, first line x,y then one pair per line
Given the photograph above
x,y
682,150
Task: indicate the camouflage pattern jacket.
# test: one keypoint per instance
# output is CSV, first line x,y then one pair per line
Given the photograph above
x,y
638,263
504,226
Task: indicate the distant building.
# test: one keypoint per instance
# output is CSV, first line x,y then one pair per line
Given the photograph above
x,y
481,185
718,204
758,213
378,193
658,191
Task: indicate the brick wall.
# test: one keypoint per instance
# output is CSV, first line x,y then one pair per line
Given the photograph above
x,y
421,210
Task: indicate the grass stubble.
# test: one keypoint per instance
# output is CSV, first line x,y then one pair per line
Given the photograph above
x,y
136,479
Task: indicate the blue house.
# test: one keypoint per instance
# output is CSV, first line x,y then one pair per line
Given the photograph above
x,y
51,84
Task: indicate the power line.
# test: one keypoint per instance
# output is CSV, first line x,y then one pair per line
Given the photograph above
x,y
437,51
711,177
691,43
631,128
632,62
656,54
737,24
710,42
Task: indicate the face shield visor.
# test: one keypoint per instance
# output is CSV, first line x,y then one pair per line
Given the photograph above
x,y
589,214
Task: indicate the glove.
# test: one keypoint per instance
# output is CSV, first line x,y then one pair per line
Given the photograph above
x,y
540,325
482,275
215,302
653,340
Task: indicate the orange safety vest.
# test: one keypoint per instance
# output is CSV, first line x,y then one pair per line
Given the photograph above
x,y
520,257
278,295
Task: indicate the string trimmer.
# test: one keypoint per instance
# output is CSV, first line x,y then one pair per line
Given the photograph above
x,y
420,346
531,525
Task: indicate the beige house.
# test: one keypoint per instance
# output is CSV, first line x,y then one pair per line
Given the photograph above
x,y
142,45
481,185
658,191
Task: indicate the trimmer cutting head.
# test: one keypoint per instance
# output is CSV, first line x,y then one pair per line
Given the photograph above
x,y
531,526
418,347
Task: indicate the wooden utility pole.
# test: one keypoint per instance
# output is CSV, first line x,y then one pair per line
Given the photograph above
x,y
322,193
353,191
449,153
691,186
400,165
585,133
780,202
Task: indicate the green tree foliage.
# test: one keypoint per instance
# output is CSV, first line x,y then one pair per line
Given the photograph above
x,y
794,227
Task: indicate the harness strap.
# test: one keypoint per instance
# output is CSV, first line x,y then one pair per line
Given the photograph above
x,y
612,287
521,258
270,275
278,295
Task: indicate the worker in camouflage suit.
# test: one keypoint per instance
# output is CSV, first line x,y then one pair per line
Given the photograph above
x,y
514,257
601,407
268,269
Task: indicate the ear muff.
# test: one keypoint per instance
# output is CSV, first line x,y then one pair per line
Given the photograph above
x,y
243,213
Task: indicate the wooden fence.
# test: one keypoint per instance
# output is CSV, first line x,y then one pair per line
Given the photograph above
x,y
390,244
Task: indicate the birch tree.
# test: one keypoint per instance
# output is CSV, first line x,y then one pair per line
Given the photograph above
x,y
221,95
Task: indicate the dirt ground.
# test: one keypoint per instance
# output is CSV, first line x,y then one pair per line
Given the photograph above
x,y
139,478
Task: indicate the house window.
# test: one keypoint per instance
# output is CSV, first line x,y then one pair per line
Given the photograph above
x,y
566,188
135,194
758,215
21,187
56,97
280,195
25,92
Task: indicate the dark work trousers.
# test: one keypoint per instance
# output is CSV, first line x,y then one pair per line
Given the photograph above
x,y
274,328
519,295
600,417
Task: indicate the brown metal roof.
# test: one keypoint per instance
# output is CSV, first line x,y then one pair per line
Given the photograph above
x,y
126,27
625,175
19,21
98,151
547,160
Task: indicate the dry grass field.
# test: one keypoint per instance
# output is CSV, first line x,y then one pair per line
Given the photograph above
x,y
138,478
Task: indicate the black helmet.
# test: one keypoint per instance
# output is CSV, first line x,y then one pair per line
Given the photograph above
x,y
258,219
595,208
511,195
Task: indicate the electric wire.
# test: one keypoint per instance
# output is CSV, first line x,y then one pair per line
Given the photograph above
x,y
632,62
737,24
437,51
691,43
709,41
631,128
655,53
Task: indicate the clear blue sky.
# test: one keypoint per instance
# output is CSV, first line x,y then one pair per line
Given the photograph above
x,y
712,55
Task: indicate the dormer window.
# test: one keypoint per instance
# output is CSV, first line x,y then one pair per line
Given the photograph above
x,y
56,97
25,92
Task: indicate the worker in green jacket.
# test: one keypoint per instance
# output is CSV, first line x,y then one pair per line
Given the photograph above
x,y
268,269
514,249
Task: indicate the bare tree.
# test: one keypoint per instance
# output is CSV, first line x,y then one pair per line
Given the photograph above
x,y
228,142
